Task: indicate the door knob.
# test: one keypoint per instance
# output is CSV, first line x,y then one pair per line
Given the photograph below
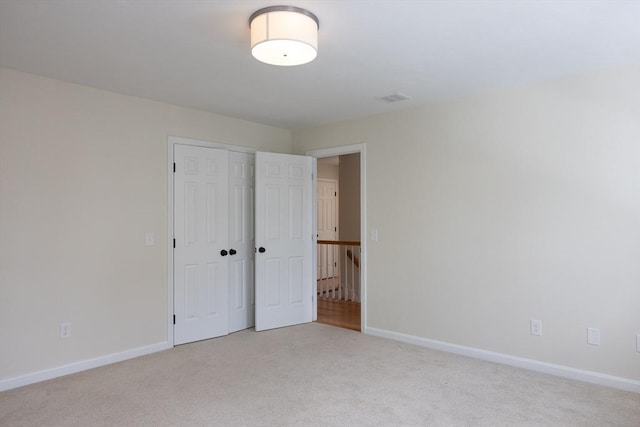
x,y
262,250
223,252
232,252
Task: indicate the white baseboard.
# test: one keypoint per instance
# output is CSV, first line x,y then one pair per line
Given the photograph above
x,y
83,365
519,362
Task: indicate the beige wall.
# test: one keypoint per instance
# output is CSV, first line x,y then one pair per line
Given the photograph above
x,y
497,209
491,211
82,179
350,197
328,169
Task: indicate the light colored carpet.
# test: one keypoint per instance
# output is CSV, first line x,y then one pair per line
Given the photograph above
x,y
313,375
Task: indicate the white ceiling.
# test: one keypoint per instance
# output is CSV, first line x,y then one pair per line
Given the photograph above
x,y
195,53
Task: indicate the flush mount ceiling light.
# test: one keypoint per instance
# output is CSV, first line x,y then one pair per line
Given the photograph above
x,y
284,35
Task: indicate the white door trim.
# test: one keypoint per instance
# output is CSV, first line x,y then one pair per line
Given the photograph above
x,y
171,142
337,151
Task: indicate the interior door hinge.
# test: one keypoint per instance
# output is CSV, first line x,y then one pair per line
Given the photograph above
x,y
174,319
174,243
174,167
335,228
335,193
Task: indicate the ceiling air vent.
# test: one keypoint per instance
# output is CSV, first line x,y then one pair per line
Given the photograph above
x,y
395,97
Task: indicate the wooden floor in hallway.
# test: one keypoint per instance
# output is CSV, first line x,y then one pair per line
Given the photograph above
x,y
341,313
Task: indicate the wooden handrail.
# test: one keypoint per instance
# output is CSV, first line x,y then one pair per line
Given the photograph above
x,y
355,260
338,242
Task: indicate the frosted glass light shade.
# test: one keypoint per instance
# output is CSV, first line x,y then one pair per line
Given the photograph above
x,y
284,35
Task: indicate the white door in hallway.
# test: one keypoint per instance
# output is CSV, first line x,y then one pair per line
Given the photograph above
x,y
284,240
201,299
327,217
241,241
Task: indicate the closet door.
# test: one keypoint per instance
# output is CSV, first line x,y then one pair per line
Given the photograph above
x,y
241,241
201,280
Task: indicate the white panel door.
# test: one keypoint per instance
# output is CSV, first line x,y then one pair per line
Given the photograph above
x,y
241,241
201,302
284,238
327,217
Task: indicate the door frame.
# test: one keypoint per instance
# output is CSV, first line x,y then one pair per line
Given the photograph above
x,y
338,151
171,142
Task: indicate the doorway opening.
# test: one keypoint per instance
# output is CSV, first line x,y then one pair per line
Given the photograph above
x,y
339,255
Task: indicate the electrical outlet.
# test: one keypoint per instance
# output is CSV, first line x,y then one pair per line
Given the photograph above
x,y
593,336
536,327
65,330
